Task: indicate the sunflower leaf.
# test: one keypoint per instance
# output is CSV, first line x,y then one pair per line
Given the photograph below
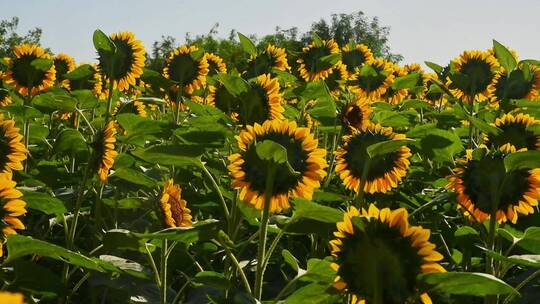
x,y
435,67
42,64
103,43
405,82
386,147
247,44
82,71
522,160
466,283
504,56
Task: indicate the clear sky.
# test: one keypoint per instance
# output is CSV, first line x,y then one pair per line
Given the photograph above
x,y
420,29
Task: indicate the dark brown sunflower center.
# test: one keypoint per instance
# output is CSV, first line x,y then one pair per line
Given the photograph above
x,y
25,74
256,169
517,135
353,59
481,178
177,212
255,106
183,69
225,101
262,64
213,68
312,59
478,76
124,59
61,68
353,116
356,156
333,80
377,257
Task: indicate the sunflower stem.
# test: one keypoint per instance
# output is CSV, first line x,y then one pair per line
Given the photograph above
x,y
216,187
360,195
109,100
237,265
261,255
163,272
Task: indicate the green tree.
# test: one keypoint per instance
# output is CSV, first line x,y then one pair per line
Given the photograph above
x,y
9,36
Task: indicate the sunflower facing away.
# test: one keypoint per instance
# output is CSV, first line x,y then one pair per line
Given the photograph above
x,y
173,207
129,60
272,57
106,150
23,76
93,82
310,68
421,83
183,69
11,297
475,179
63,64
336,79
215,64
11,145
518,88
356,114
434,95
515,132
479,68
376,82
249,174
12,207
392,96
262,102
377,250
354,58
5,98
384,172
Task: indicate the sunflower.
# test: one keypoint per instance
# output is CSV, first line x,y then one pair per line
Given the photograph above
x,y
173,207
376,82
479,69
516,132
272,57
249,173
434,95
63,64
385,171
12,146
310,68
11,297
23,75
392,96
476,177
518,88
215,64
421,83
262,102
183,69
12,206
378,250
355,115
135,106
354,58
106,150
278,56
336,79
5,98
128,60
93,82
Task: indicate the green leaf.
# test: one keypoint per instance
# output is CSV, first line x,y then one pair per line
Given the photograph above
x,y
247,44
324,109
234,84
435,67
171,155
70,142
86,99
80,72
522,160
436,144
44,203
42,64
466,283
202,230
103,43
317,40
212,279
527,260
386,147
290,259
484,126
318,271
310,217
405,82
530,240
57,100
271,151
134,176
504,56
37,280
314,294
329,60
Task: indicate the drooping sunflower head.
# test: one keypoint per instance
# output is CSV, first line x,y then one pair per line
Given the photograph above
x,y
93,81
28,78
522,83
186,67
354,58
421,83
474,71
378,251
173,208
126,65
391,95
481,177
105,150
264,101
373,79
12,207
272,57
5,98
434,95
216,64
311,68
220,97
337,78
13,151
63,64
356,114
384,172
249,172
135,106
516,132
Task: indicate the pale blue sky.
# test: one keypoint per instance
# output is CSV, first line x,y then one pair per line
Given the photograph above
x,y
420,29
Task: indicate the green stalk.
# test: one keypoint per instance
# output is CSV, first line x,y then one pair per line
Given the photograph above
x,y
163,272
521,285
235,262
361,192
78,204
264,228
216,187
109,101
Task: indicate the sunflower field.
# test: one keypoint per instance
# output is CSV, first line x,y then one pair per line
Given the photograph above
x,y
322,176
